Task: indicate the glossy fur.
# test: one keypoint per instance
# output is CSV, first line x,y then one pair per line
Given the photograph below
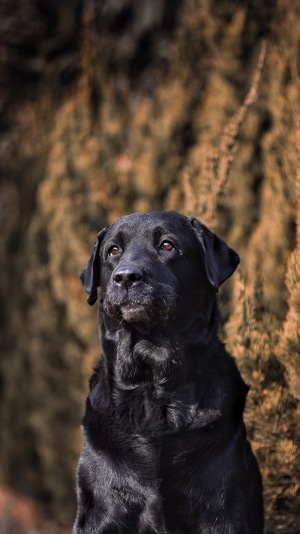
x,y
165,449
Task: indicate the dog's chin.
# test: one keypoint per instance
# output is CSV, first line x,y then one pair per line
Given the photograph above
x,y
140,315
137,314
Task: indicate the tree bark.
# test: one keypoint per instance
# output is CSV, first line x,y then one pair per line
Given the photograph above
x,y
135,108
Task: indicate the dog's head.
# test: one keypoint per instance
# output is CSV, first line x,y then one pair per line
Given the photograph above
x,y
157,266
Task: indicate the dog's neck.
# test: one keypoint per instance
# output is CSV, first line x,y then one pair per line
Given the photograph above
x,y
156,368
163,355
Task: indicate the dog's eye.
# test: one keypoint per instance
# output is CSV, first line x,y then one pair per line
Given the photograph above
x,y
168,246
114,250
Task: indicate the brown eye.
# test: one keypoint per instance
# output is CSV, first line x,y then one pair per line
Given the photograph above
x,y
167,245
114,250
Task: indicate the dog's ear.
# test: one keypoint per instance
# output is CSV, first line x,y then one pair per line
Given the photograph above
x,y
220,260
90,276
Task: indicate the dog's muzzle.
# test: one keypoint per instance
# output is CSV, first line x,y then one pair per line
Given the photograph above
x,y
132,298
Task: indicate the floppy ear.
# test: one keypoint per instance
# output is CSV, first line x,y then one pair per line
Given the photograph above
x,y
220,260
90,276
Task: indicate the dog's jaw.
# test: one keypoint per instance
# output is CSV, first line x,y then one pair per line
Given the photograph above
x,y
142,310
135,313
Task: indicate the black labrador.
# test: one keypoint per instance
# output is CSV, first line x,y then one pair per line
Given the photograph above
x,y
165,448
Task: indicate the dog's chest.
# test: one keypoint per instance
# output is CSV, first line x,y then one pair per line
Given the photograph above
x,y
152,411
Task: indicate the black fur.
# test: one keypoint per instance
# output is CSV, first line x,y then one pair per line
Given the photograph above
x,y
165,449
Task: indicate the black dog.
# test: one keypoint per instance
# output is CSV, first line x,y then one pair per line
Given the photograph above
x,y
165,449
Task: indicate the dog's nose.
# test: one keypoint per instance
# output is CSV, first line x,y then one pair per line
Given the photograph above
x,y
127,275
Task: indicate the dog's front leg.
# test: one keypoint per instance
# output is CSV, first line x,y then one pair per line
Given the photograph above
x,y
118,490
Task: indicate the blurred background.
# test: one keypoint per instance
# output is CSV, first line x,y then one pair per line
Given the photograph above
x,y
114,106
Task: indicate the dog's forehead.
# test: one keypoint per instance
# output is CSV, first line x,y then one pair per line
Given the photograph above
x,y
147,224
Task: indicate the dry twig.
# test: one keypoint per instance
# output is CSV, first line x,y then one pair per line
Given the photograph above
x,y
222,161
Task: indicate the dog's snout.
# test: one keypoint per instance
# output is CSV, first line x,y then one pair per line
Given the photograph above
x,y
128,275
